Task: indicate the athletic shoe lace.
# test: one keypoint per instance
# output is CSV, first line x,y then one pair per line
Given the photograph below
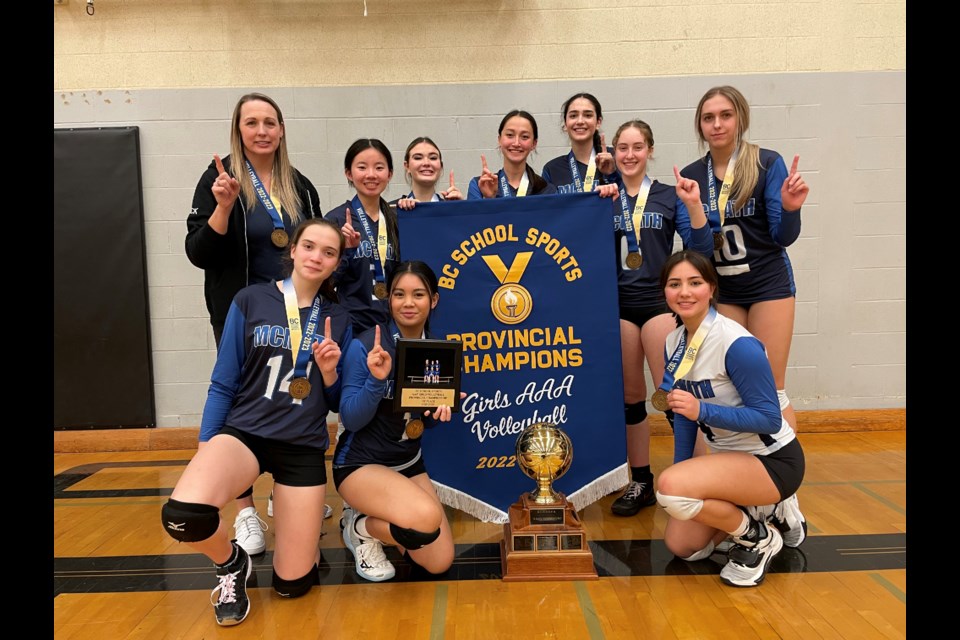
x,y
245,524
634,490
227,589
371,551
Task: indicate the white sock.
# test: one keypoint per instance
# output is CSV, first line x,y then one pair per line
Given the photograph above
x,y
360,526
743,528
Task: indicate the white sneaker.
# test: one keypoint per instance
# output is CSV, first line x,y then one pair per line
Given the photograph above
x,y
346,515
327,509
789,519
761,512
371,561
748,560
249,530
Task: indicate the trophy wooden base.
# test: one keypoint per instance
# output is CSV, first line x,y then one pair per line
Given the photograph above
x,y
545,542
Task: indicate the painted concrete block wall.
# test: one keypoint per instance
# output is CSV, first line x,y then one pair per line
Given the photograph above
x,y
283,43
836,96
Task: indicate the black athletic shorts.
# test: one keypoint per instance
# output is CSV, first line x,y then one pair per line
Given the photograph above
x,y
294,465
641,315
786,467
340,473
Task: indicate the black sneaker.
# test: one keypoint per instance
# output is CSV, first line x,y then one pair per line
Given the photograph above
x,y
636,496
232,604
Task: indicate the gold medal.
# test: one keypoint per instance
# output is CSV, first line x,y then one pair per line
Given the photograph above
x,y
659,400
414,429
299,388
634,260
279,238
717,240
380,290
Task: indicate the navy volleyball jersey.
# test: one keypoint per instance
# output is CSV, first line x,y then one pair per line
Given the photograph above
x,y
474,193
663,216
557,172
753,260
355,277
437,197
250,381
374,431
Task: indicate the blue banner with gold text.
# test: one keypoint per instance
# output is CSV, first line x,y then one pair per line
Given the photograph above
x,y
529,286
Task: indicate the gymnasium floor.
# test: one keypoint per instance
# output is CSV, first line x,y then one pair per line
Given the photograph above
x,y
117,575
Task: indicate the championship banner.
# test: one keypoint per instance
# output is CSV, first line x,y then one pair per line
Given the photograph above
x,y
529,286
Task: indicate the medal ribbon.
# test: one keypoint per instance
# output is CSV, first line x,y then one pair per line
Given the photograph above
x,y
591,171
684,356
514,273
632,223
380,247
721,206
409,415
505,190
271,205
300,340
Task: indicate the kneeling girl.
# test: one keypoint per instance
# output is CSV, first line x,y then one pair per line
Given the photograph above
x,y
377,466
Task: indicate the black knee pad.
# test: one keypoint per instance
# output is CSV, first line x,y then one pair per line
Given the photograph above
x,y
636,412
411,538
188,521
295,588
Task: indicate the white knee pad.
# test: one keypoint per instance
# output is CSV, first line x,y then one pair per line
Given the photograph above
x,y
680,507
700,555
784,400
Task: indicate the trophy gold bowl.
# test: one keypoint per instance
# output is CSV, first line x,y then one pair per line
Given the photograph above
x,y
544,452
544,538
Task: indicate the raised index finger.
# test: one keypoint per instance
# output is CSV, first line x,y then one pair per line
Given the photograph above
x,y
603,142
376,336
219,163
451,180
483,159
326,328
676,172
796,162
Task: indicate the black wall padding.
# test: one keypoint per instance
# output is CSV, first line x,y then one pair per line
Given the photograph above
x,y
101,335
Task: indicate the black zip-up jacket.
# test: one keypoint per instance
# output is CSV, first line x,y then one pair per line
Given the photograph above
x,y
225,258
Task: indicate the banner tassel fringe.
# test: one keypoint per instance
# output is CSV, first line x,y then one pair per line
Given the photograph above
x,y
602,486
468,504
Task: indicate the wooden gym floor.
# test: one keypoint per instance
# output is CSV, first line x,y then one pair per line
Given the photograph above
x,y
117,575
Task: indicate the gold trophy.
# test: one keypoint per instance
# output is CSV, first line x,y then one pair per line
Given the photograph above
x,y
544,538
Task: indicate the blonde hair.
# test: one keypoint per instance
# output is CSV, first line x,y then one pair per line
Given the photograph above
x,y
748,162
282,182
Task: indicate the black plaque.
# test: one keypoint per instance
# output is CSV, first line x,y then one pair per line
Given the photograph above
x,y
547,543
546,516
571,542
427,374
523,543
